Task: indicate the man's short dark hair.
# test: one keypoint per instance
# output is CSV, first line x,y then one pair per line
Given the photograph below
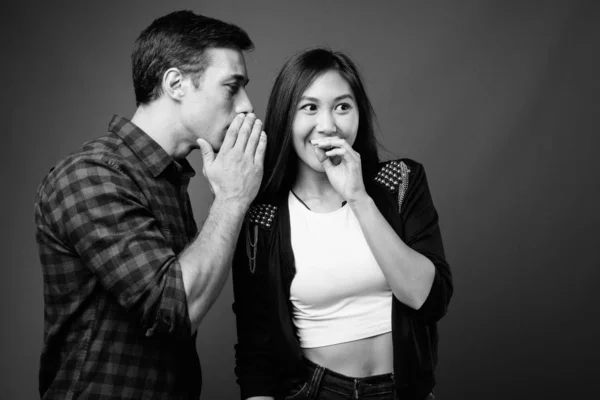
x,y
179,40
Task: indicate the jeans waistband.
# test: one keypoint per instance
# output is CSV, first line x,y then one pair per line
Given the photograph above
x,y
336,376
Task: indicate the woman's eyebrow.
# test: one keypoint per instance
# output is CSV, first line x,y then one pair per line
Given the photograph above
x,y
344,96
315,100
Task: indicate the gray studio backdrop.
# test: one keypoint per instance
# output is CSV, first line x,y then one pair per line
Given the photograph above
x,y
498,99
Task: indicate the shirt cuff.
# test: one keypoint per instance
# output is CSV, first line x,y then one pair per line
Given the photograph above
x,y
172,316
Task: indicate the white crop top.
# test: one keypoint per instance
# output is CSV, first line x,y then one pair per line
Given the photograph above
x,y
339,293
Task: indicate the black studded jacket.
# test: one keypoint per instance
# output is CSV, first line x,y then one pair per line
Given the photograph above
x,y
268,354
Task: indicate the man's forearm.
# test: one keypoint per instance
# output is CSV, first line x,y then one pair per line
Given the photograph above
x,y
205,264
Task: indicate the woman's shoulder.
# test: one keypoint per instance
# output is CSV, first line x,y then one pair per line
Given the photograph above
x,y
263,214
399,178
412,165
392,174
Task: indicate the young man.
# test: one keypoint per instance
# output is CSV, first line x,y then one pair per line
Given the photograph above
x,y
127,277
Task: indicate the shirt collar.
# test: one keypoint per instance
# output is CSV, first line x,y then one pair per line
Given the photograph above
x,y
156,159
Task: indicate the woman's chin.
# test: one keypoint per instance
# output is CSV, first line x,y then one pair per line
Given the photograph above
x,y
317,166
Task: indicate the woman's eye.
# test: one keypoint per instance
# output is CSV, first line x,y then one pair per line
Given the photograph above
x,y
309,107
343,107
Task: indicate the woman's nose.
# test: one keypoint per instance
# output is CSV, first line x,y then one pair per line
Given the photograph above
x,y
326,124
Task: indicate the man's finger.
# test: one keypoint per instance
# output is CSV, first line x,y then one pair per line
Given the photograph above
x,y
261,148
254,137
244,132
232,131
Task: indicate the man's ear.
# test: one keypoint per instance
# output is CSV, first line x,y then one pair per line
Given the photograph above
x,y
172,84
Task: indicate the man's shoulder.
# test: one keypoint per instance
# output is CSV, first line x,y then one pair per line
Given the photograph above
x,y
100,152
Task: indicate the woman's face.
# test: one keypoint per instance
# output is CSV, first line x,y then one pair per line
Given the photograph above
x,y
327,108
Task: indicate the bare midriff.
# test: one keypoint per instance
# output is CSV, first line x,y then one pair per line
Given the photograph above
x,y
357,359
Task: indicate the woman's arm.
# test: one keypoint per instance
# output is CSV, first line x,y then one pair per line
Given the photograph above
x,y
416,270
409,273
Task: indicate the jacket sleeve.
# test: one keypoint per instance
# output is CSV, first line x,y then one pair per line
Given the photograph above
x,y
254,357
422,234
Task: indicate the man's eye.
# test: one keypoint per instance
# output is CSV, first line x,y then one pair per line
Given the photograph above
x,y
233,89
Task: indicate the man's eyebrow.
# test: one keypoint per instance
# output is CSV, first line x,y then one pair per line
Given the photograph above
x,y
315,100
242,79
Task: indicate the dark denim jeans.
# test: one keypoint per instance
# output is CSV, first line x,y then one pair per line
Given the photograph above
x,y
325,384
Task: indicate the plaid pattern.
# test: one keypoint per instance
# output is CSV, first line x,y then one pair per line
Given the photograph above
x,y
111,219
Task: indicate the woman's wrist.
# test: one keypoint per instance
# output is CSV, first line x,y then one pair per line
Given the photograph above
x,y
362,201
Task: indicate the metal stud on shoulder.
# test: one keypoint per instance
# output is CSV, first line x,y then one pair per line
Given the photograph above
x,y
262,215
394,177
259,215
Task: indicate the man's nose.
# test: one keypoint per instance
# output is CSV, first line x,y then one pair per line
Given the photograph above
x,y
243,104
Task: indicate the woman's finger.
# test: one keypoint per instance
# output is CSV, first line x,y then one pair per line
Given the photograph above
x,y
328,144
348,154
322,157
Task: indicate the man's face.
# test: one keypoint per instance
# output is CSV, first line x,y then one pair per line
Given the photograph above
x,y
207,111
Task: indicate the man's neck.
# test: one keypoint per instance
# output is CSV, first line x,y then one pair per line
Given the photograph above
x,y
158,122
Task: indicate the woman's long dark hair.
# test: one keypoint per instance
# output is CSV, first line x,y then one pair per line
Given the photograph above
x,y
296,75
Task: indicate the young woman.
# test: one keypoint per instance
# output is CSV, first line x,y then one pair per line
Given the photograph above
x,y
340,274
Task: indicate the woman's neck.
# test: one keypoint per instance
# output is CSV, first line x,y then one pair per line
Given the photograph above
x,y
315,190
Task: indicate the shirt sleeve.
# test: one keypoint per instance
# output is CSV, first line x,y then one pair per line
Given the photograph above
x,y
422,234
99,210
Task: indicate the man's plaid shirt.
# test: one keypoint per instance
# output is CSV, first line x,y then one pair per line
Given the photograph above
x,y
111,221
